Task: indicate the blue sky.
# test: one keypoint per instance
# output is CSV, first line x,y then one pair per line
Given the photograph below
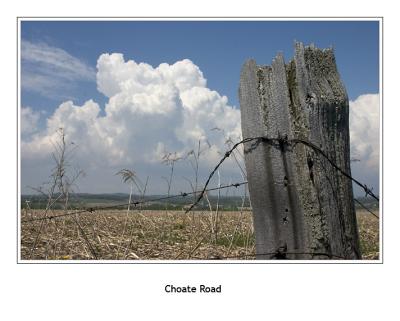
x,y
217,48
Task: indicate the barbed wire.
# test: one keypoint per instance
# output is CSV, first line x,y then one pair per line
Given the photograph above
x,y
278,254
366,208
367,190
135,203
281,142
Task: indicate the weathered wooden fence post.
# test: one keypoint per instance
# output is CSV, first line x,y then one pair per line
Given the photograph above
x,y
301,204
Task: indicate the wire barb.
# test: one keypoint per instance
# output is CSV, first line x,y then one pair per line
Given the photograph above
x,y
93,209
282,141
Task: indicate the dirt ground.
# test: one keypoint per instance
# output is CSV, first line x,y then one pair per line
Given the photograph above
x,y
148,235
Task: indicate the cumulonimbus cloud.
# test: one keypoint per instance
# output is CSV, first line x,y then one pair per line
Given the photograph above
x,y
150,111
364,130
155,110
29,120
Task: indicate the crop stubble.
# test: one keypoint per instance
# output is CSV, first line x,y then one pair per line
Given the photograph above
x,y
155,235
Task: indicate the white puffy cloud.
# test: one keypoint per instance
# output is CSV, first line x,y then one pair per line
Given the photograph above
x,y
29,120
364,141
115,75
155,110
364,130
150,111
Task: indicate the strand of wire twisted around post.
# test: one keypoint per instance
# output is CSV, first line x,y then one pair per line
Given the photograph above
x,y
282,141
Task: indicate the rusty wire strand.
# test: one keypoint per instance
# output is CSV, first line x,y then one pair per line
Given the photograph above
x,y
367,190
93,209
281,141
275,254
366,208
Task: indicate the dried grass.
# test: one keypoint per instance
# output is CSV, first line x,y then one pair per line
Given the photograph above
x,y
149,235
153,235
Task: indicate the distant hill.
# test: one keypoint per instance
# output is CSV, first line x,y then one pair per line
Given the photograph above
x,y
85,200
368,202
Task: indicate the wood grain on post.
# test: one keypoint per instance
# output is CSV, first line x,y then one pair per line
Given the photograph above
x,y
301,204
